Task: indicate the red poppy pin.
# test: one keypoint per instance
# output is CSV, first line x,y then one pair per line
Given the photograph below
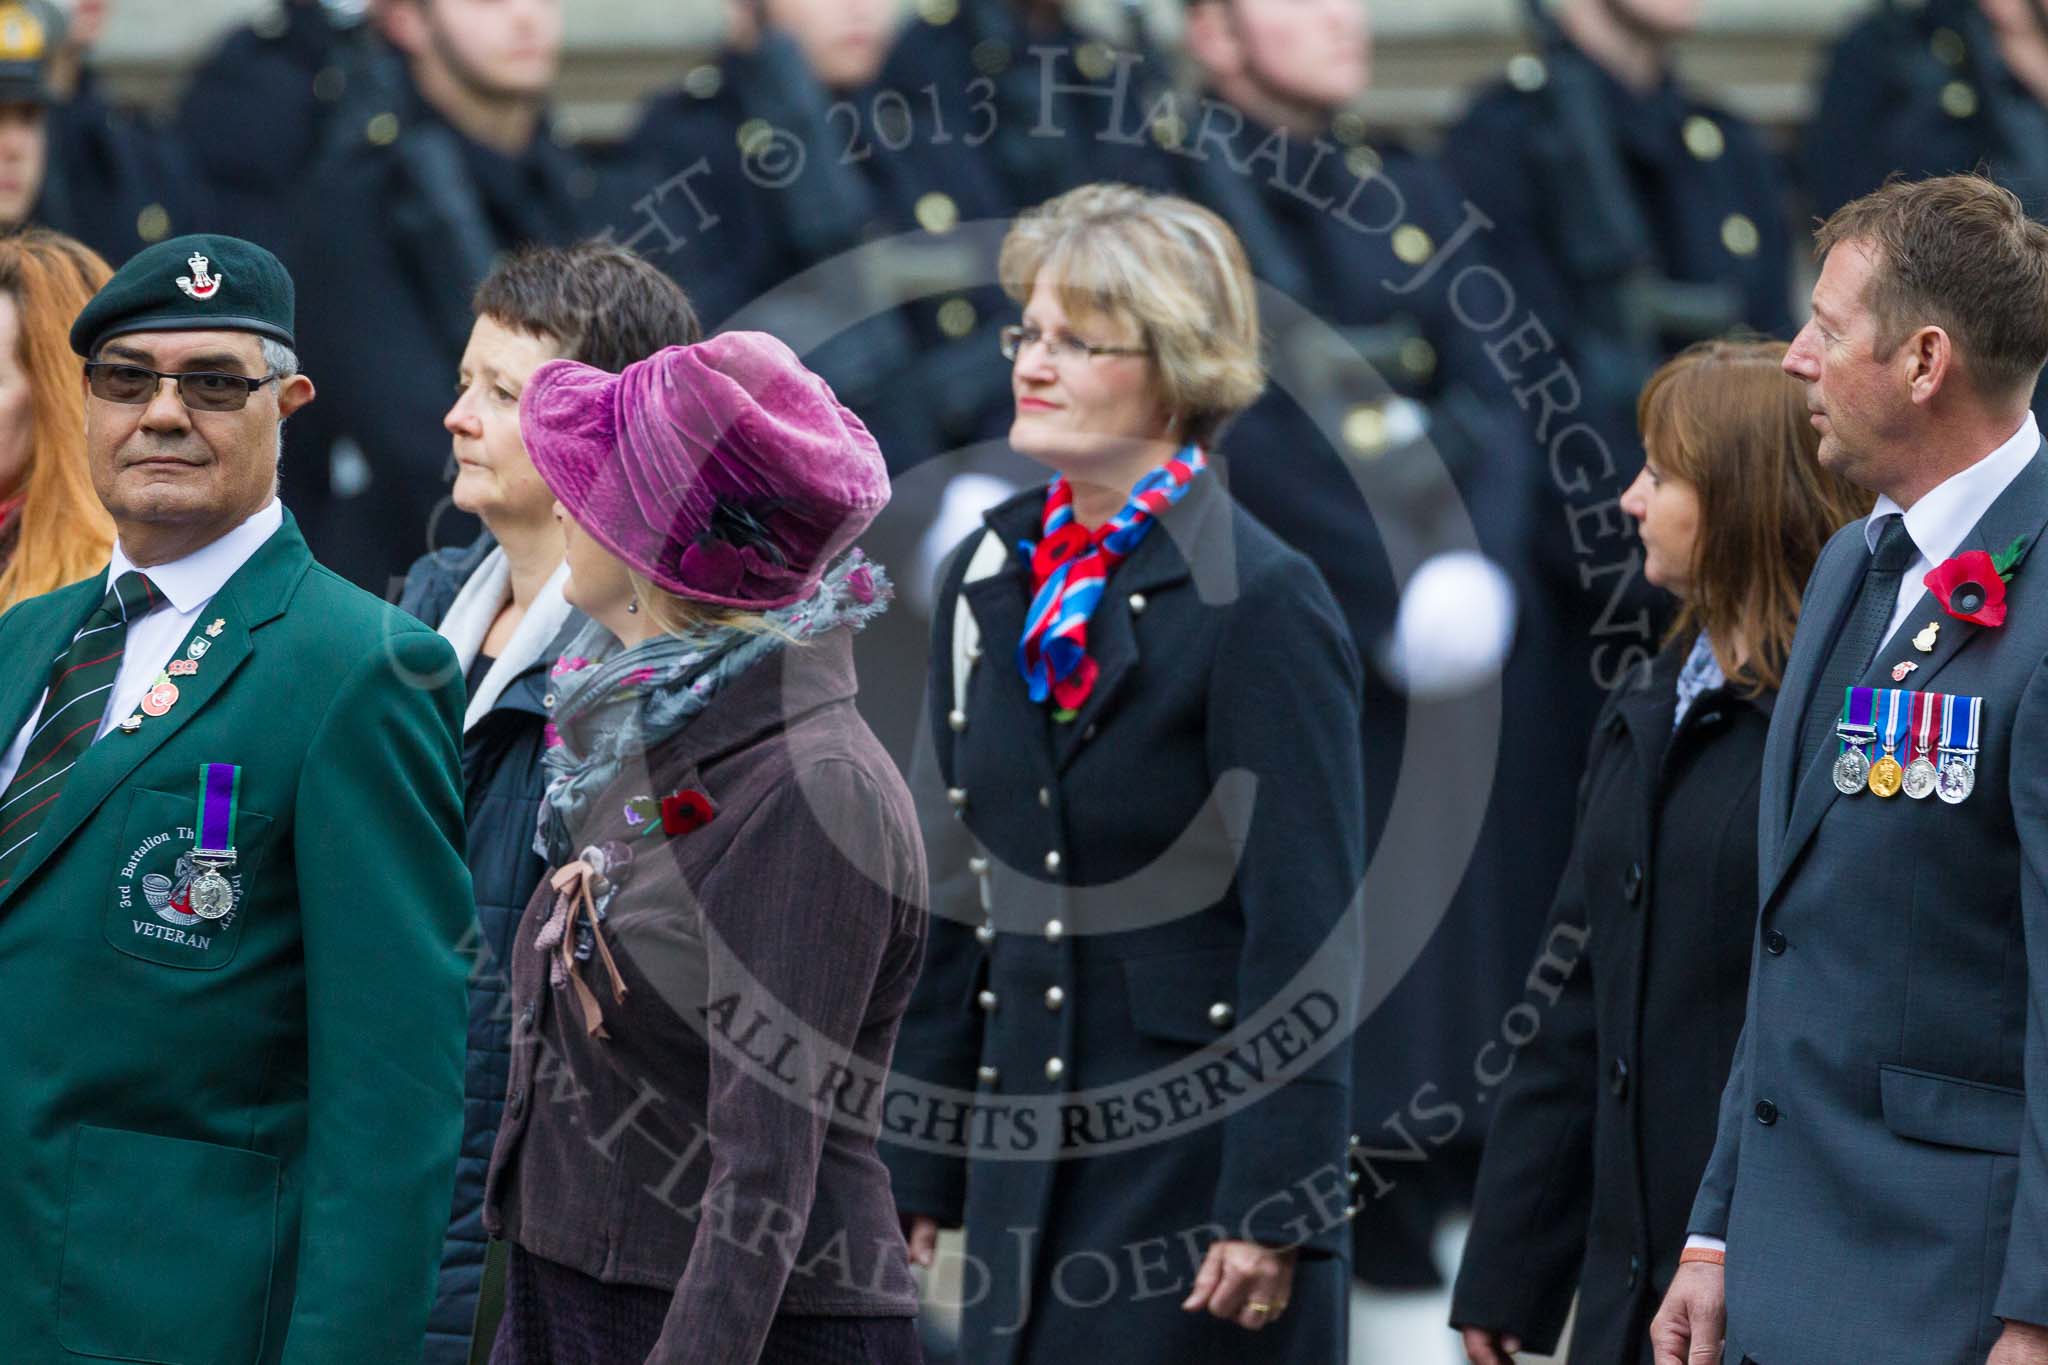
x,y
686,811
1971,586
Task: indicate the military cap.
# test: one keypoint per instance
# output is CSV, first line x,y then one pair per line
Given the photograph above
x,y
30,33
201,283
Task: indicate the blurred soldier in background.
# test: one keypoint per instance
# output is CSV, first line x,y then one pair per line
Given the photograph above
x,y
810,143
445,156
1638,218
1932,89
68,159
295,62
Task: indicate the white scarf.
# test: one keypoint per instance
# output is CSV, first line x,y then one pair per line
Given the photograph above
x,y
474,609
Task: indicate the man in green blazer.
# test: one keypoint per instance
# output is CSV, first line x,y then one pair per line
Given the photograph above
x,y
231,885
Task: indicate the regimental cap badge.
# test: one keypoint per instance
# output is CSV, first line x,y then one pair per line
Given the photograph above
x,y
199,284
23,36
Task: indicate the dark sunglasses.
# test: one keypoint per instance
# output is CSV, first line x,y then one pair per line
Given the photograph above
x,y
200,390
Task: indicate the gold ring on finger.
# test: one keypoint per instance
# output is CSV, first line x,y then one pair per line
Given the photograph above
x,y
1259,1306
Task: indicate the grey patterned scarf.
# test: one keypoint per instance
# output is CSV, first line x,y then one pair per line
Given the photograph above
x,y
612,705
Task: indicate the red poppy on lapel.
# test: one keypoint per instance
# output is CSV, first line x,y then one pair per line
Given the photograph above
x,y
1971,586
685,811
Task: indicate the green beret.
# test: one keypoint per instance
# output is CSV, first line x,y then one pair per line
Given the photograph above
x,y
202,283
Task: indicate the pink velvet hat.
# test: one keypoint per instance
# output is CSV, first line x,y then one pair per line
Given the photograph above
x,y
726,472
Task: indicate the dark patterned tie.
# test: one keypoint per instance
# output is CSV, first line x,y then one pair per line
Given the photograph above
x,y
80,680
1861,634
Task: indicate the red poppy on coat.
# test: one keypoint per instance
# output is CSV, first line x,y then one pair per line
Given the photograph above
x,y
684,812
1969,588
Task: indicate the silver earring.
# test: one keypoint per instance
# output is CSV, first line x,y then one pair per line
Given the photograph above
x,y
633,607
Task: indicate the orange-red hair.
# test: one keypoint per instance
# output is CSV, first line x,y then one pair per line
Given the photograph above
x,y
65,532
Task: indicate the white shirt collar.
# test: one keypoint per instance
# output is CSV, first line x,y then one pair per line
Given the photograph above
x,y
191,582
1939,521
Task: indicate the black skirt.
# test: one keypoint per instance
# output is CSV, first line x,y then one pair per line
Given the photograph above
x,y
558,1316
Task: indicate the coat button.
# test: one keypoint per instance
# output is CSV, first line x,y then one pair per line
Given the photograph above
x,y
1137,604
978,864
548,701
526,1015
986,932
987,1001
1220,1014
1054,931
1052,863
957,796
1054,1069
974,654
986,1075
1054,998
1089,733
1766,1113
1617,1079
1632,883
1045,797
957,719
1774,942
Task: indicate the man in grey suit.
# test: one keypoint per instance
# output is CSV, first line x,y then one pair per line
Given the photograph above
x,y
1879,1184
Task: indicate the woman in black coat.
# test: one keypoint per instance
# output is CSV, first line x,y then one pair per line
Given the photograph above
x,y
500,603
1607,1113
1126,1066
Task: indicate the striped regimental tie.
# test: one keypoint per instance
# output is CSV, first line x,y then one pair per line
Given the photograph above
x,y
80,681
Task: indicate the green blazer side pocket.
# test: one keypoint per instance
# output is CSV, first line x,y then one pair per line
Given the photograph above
x,y
148,912
168,1247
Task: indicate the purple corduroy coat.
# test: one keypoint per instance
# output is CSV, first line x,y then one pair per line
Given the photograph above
x,y
719,1140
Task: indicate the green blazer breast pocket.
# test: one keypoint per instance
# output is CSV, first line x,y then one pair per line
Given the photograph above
x,y
150,911
168,1247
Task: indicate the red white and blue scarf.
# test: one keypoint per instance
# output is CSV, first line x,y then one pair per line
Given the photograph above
x,y
1070,566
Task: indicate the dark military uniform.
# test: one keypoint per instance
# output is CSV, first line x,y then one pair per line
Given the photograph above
x,y
392,236
1920,90
847,227
292,65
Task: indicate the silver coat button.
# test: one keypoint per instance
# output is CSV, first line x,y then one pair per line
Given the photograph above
x,y
957,796
987,1001
1055,1069
1045,797
1052,862
957,719
987,1075
978,865
986,932
1137,604
1220,1014
1054,997
1053,930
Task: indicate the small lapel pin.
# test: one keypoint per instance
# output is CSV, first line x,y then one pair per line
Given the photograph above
x,y
1902,668
1924,641
220,624
131,725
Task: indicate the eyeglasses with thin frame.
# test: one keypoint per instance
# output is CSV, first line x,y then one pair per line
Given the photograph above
x,y
200,390
1058,345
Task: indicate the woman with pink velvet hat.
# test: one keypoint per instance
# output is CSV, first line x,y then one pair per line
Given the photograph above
x,y
707,987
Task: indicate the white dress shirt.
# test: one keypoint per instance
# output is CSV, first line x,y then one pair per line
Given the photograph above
x,y
1939,521
188,586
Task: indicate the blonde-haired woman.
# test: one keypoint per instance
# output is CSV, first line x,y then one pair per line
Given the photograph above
x,y
53,530
1144,812
1601,1132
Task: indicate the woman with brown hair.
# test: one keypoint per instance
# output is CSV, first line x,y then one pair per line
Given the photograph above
x,y
52,527
1605,1117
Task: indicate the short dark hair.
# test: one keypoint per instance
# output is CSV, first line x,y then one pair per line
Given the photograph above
x,y
1960,252
605,304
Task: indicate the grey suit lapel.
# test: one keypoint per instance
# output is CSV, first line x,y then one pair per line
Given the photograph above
x,y
2021,510
1828,598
